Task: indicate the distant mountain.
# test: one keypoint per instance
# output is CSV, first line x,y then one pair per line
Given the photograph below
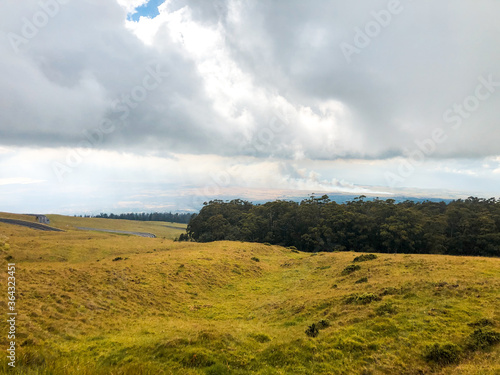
x,y
343,198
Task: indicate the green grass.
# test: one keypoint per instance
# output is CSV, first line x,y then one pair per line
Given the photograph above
x,y
186,308
78,245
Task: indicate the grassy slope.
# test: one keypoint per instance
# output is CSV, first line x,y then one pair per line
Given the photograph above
x,y
159,228
69,223
187,308
6,215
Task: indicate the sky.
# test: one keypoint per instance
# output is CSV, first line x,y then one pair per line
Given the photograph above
x,y
136,105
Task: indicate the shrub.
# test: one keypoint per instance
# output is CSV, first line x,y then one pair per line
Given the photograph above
x,y
322,324
350,269
386,308
197,358
255,259
323,267
117,258
389,291
362,280
362,299
483,339
365,257
442,354
484,322
182,237
180,269
312,331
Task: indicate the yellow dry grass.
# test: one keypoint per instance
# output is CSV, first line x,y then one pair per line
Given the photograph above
x,y
158,228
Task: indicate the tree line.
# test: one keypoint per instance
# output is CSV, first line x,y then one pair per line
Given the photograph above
x,y
153,216
460,227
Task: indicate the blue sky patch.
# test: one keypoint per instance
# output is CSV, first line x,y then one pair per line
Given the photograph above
x,y
150,10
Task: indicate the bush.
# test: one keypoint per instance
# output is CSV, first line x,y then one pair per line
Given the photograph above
x,y
361,299
323,267
197,358
365,257
322,324
362,280
442,354
484,322
389,291
117,258
255,259
350,269
483,339
386,308
312,330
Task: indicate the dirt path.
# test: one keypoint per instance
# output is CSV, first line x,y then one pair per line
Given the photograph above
x,y
30,225
141,234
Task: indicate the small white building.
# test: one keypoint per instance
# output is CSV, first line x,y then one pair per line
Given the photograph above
x,y
42,219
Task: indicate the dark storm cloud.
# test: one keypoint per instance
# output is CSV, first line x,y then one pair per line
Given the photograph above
x,y
84,65
82,68
427,58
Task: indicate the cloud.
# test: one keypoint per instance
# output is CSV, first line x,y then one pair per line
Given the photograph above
x,y
114,181
70,79
131,5
396,90
19,181
234,65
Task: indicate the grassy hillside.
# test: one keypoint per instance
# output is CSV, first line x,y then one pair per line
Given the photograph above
x,y
158,228
7,215
100,303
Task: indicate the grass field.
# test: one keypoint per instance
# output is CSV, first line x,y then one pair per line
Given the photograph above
x,y
158,228
102,303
